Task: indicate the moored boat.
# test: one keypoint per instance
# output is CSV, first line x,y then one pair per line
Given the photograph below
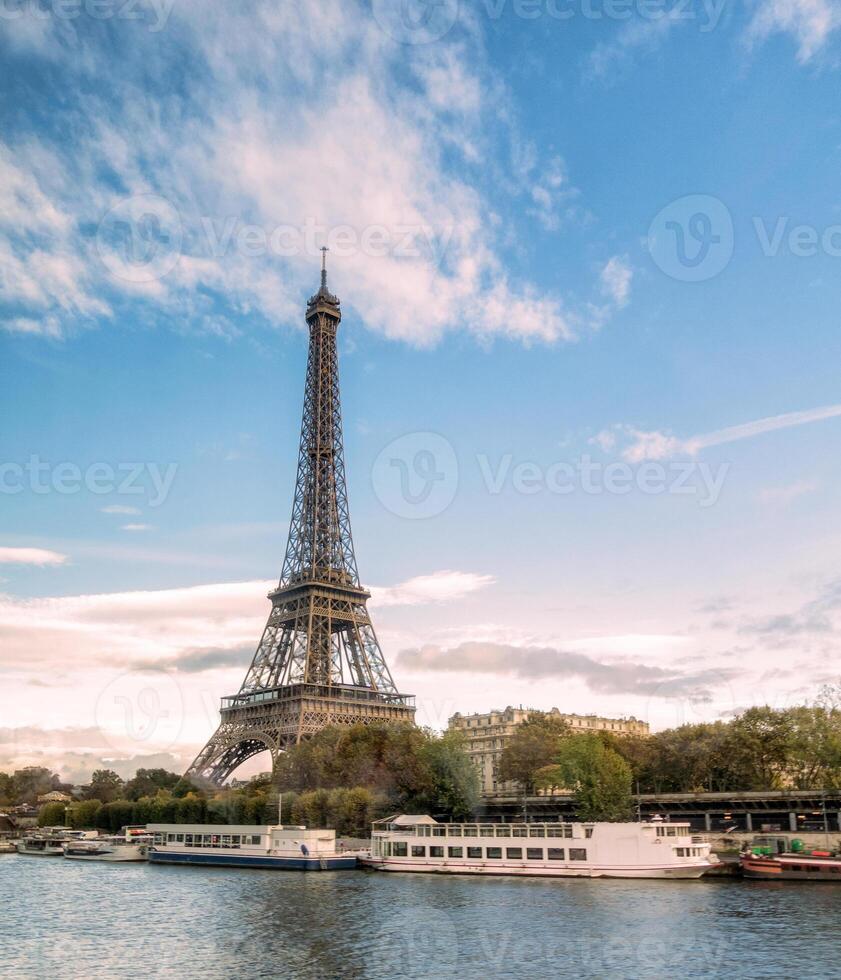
x,y
8,847
41,846
652,849
119,848
242,846
781,859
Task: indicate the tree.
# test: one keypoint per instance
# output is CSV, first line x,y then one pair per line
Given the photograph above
x,y
534,745
759,748
51,815
105,786
147,782
598,776
83,816
455,787
33,781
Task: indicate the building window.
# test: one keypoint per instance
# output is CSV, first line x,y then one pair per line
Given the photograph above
x,y
556,854
493,853
514,853
534,853
474,852
436,852
577,854
418,851
401,849
455,852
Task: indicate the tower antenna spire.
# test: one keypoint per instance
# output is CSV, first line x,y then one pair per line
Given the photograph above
x,y
324,251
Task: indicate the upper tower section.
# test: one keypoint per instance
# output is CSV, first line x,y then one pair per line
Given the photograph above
x,y
324,302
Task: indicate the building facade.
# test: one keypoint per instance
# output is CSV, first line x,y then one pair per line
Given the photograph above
x,y
488,734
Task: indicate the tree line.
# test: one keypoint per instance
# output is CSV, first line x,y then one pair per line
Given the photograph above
x,y
762,748
344,778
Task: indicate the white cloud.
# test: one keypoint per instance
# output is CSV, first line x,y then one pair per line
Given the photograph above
x,y
661,445
616,279
120,509
136,527
30,556
383,151
809,22
443,586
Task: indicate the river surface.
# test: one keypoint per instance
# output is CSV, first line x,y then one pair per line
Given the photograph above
x,y
74,919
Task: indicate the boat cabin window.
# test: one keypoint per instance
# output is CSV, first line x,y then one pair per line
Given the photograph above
x,y
439,831
401,849
493,853
486,830
514,853
418,851
455,830
455,852
588,832
537,830
534,853
556,854
474,852
436,852
424,830
502,830
519,830
470,830
577,854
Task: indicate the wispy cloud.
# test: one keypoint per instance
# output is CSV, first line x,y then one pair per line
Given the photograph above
x,y
656,444
616,279
443,586
30,556
421,107
136,527
542,663
809,22
120,509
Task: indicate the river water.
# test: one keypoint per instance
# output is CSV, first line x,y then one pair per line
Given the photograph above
x,y
74,919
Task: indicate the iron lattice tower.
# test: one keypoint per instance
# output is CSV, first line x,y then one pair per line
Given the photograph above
x,y
318,662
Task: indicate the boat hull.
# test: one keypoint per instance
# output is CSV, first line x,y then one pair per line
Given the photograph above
x,y
110,857
769,869
40,853
275,862
659,872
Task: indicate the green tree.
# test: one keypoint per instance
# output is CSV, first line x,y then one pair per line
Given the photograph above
x,y
147,782
598,776
455,782
534,745
83,816
51,815
759,748
105,786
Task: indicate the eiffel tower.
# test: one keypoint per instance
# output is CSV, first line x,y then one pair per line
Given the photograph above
x,y
318,662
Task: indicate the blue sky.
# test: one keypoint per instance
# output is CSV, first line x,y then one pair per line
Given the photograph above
x,y
567,236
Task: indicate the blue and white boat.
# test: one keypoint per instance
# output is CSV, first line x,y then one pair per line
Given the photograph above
x,y
279,847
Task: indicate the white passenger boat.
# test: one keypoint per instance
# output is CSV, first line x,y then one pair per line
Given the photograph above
x,y
8,847
41,846
119,848
555,850
243,846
